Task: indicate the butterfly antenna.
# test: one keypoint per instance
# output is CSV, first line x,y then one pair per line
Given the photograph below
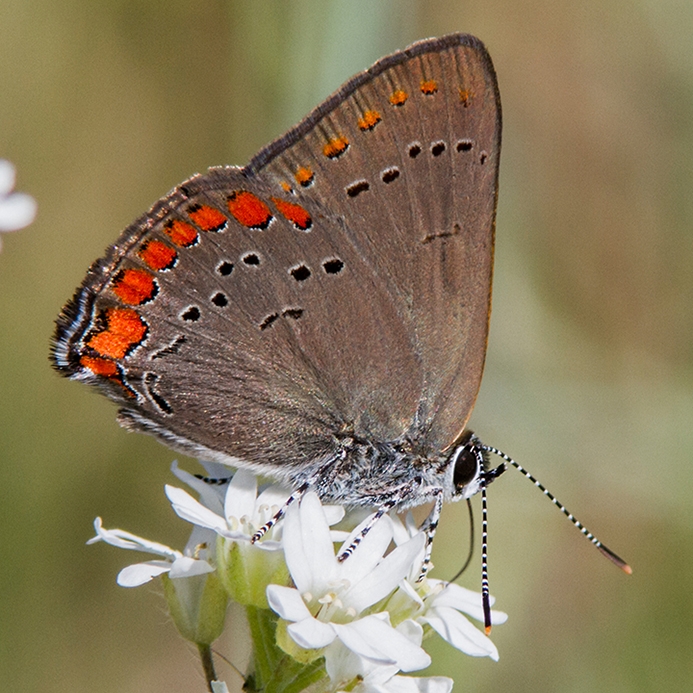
x,y
614,558
471,542
485,598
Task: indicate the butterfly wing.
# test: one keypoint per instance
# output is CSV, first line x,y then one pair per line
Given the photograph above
x,y
408,153
339,284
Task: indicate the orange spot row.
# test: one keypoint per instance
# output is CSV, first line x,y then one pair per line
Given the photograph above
x,y
335,147
134,286
249,210
157,255
429,86
304,176
370,120
207,218
124,330
100,366
294,213
398,97
108,369
465,97
180,233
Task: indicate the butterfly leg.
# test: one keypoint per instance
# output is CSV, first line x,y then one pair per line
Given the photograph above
x,y
386,507
296,495
430,526
396,498
314,482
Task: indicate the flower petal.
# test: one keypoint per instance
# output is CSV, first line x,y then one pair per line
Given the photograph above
x,y
211,495
187,567
241,495
411,630
383,579
343,666
375,639
8,174
311,634
338,536
370,550
125,540
308,547
333,513
202,543
274,498
407,588
16,211
404,531
465,600
419,684
287,602
452,626
191,510
139,573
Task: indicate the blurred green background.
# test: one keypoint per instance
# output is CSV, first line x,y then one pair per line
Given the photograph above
x,y
104,106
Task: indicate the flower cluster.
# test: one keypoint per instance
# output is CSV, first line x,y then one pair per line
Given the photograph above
x,y
357,623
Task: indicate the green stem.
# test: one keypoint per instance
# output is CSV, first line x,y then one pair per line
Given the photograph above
x,y
207,664
272,670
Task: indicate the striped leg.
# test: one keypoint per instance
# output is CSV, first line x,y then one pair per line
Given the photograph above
x,y
386,507
430,526
295,496
485,592
320,478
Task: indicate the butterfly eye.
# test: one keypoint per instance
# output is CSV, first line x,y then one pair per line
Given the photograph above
x,y
466,463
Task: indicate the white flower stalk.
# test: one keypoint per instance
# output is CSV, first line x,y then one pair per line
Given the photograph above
x,y
330,596
17,210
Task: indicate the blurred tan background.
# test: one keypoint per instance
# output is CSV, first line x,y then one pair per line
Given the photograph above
x,y
104,106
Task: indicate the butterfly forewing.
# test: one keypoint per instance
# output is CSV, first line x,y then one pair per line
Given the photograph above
x,y
408,154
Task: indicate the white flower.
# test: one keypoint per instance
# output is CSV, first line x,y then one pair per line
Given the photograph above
x,y
193,559
348,671
197,604
17,210
330,595
444,609
243,512
441,605
246,568
175,563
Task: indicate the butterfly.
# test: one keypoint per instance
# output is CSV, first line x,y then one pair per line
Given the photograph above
x,y
319,316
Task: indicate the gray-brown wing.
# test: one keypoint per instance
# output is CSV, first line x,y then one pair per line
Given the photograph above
x,y
408,154
236,324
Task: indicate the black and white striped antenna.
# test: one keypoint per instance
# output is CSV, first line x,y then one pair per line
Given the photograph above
x,y
488,476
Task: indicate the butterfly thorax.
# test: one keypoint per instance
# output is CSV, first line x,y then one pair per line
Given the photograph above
x,y
374,474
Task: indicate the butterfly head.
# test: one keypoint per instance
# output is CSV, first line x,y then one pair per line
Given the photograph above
x,y
471,468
